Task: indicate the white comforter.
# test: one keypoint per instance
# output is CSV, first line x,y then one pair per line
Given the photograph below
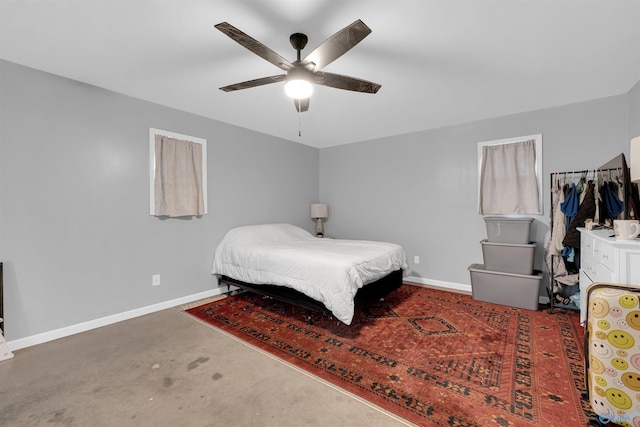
x,y
328,270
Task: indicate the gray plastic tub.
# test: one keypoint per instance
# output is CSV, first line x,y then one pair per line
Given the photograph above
x,y
508,257
508,230
514,290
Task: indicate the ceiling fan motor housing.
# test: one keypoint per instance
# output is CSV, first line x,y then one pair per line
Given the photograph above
x,y
298,41
300,72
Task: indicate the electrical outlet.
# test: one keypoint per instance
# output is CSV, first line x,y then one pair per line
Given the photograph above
x,y
416,260
155,280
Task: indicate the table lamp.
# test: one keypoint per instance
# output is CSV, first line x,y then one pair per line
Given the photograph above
x,y
319,211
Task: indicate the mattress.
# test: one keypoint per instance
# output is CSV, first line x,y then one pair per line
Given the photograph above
x,y
330,271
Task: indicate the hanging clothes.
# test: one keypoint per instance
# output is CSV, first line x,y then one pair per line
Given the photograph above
x,y
570,208
570,205
597,216
555,262
561,275
559,226
580,187
614,202
621,196
586,210
611,204
634,201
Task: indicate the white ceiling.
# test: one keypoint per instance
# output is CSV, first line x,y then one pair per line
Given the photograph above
x,y
439,62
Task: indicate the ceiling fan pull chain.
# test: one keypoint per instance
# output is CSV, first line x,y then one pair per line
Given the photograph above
x,y
299,119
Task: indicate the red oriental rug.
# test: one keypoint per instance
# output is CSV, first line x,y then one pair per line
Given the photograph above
x,y
433,357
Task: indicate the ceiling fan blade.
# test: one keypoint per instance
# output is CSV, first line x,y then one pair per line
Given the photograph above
x,y
302,105
336,45
340,81
254,46
253,83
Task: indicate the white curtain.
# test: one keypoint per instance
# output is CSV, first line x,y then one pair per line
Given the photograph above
x,y
508,182
178,178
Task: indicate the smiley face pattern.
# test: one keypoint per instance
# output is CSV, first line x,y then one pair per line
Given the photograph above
x,y
613,339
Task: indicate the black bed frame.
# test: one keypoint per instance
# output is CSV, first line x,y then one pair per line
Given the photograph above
x,y
369,293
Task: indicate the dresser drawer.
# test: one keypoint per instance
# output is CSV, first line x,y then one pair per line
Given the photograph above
x,y
604,254
586,249
602,273
598,259
630,266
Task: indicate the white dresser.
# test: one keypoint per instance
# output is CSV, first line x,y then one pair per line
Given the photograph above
x,y
605,259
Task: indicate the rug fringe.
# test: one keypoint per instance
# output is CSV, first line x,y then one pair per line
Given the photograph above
x,y
384,354
311,375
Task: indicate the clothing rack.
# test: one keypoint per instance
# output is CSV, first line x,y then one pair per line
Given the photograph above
x,y
581,174
585,173
575,176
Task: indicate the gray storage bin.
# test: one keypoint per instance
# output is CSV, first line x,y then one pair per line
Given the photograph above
x,y
508,257
508,230
514,290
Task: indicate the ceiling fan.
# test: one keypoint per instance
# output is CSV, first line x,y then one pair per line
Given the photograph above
x,y
301,73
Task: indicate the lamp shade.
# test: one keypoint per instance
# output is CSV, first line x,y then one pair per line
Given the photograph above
x,y
319,210
634,161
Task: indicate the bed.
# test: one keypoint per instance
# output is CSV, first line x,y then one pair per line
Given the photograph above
x,y
288,263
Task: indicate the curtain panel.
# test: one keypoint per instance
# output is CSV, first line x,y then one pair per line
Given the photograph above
x,y
508,181
178,178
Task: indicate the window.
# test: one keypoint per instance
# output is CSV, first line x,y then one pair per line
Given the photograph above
x,y
510,176
178,174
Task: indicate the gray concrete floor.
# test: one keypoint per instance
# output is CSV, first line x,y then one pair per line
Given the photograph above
x,y
167,369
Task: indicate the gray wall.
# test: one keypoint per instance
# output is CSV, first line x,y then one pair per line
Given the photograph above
x,y
78,244
634,111
76,238
420,190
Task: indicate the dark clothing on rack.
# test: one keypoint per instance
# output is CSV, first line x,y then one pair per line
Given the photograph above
x,y
570,208
612,205
570,205
634,200
586,210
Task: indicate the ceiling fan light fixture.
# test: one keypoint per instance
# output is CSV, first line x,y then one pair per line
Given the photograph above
x,y
298,89
303,73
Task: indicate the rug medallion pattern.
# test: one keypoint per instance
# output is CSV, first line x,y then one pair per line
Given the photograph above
x,y
433,357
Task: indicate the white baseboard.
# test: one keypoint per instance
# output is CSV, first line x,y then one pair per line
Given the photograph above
x,y
438,283
115,318
108,320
